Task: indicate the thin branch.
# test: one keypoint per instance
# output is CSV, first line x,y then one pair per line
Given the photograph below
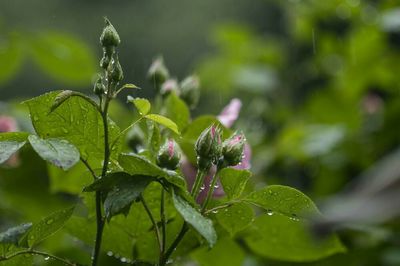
x,y
89,168
153,221
40,253
163,224
125,130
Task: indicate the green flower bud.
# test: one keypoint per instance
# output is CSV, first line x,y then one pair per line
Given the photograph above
x,y
158,72
99,88
169,155
115,71
109,37
232,149
105,61
208,147
190,90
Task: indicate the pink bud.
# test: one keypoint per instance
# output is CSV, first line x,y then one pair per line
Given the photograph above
x,y
230,113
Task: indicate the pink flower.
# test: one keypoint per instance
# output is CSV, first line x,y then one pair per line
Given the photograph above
x,y
227,117
8,124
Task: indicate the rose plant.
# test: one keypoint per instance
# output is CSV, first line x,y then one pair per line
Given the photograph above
x,y
176,189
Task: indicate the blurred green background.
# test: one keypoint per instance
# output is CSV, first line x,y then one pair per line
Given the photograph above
x,y
318,79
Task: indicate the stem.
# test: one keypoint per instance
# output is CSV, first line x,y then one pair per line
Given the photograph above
x,y
153,221
125,130
197,183
211,190
99,216
163,225
175,244
40,253
89,168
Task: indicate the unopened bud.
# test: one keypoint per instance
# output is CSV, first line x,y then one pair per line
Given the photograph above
x,y
232,149
208,146
169,155
109,37
105,61
169,86
99,88
115,71
158,72
190,90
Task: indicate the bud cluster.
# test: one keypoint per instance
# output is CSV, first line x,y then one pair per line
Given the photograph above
x,y
188,89
109,40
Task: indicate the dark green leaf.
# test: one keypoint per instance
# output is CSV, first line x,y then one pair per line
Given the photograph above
x,y
11,142
77,121
126,191
177,111
59,152
280,237
235,218
162,120
14,234
48,226
202,225
285,200
234,181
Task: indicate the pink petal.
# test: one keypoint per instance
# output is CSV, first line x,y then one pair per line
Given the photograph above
x,y
230,113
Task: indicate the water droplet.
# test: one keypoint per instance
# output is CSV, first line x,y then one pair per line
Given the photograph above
x,y
64,130
123,259
215,211
216,186
110,253
202,187
46,258
49,221
35,118
269,212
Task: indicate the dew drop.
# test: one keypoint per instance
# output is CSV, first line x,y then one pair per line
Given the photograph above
x,y
216,186
46,258
270,213
110,253
49,221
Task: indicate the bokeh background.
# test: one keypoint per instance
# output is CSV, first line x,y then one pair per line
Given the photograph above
x,y
319,79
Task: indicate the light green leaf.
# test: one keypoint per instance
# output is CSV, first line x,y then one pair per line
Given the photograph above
x,y
48,226
162,120
11,57
285,200
280,237
64,57
11,142
126,191
19,261
14,234
143,105
202,225
129,86
177,111
235,218
234,181
76,121
59,152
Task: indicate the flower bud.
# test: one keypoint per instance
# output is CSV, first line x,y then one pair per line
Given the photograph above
x,y
232,149
109,37
208,146
105,61
115,71
169,155
168,86
99,88
158,73
190,90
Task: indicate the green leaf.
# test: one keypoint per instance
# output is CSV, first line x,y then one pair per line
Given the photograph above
x,y
235,218
202,225
66,94
108,182
59,152
48,226
64,57
76,121
126,191
225,252
26,260
162,120
143,105
14,234
280,237
11,57
177,111
129,86
153,138
234,181
11,142
285,200
138,165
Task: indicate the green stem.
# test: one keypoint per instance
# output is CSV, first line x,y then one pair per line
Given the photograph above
x,y
125,130
198,183
153,221
211,190
174,245
163,224
40,253
100,220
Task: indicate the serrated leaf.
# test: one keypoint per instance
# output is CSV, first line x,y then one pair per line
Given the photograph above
x,y
285,200
235,218
48,226
202,225
280,237
143,105
234,181
14,234
77,121
11,142
59,152
162,120
126,191
177,111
